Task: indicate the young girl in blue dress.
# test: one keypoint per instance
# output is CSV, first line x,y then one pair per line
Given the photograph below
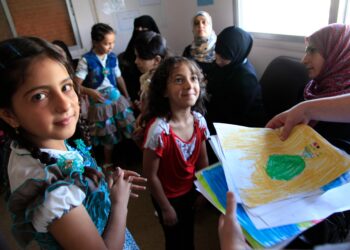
x,y
174,146
109,112
58,195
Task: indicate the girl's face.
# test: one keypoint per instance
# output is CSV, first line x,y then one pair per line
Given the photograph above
x,y
221,62
201,27
45,106
182,87
106,45
313,61
145,65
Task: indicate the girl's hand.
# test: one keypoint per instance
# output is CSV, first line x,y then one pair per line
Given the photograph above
x,y
169,216
120,189
138,183
133,177
200,202
96,96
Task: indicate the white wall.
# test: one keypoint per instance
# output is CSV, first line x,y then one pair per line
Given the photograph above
x,y
264,51
173,18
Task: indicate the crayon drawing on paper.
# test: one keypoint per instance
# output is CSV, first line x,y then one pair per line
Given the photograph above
x,y
267,169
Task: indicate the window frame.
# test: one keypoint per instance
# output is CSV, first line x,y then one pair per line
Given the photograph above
x,y
71,17
333,18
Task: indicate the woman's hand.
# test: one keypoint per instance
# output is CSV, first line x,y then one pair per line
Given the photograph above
x,y
289,119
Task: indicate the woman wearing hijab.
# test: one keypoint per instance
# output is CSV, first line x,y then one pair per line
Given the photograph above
x,y
129,70
202,49
234,91
327,60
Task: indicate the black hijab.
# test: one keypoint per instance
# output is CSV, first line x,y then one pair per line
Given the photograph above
x,y
144,21
234,44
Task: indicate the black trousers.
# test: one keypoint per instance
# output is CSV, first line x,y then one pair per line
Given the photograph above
x,y
181,235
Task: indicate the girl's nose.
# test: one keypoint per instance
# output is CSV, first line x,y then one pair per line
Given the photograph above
x,y
62,103
188,83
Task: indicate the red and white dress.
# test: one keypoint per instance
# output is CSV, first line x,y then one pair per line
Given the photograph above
x,y
177,157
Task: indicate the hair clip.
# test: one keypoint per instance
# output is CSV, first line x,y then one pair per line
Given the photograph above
x,y
14,49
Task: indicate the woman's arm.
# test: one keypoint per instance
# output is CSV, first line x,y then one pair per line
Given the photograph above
x,y
332,109
150,168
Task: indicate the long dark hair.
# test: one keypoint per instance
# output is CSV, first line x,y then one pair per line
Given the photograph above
x,y
16,56
150,44
99,31
158,105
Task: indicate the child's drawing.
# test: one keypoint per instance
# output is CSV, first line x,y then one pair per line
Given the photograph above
x,y
266,169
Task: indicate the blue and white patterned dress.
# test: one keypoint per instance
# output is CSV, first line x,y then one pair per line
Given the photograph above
x,y
41,194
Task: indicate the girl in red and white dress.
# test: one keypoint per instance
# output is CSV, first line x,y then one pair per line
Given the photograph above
x,y
174,146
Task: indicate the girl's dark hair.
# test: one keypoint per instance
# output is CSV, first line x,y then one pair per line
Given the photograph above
x,y
65,48
16,55
99,31
150,44
158,105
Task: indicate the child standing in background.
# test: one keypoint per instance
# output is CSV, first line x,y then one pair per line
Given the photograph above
x,y
150,51
174,146
101,80
58,194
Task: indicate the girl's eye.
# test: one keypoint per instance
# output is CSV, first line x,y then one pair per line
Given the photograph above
x,y
195,78
178,80
67,87
38,97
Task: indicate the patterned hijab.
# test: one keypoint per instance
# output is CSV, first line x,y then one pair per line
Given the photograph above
x,y
203,48
333,43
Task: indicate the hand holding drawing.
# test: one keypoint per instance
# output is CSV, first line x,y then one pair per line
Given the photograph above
x,y
332,109
230,233
288,119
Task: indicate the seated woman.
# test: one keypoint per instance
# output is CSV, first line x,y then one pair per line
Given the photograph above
x,y
127,65
202,49
327,60
234,91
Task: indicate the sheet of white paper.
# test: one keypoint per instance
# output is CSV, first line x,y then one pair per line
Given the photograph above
x,y
214,143
247,150
310,208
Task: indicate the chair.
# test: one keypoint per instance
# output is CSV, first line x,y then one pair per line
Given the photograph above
x,y
282,84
